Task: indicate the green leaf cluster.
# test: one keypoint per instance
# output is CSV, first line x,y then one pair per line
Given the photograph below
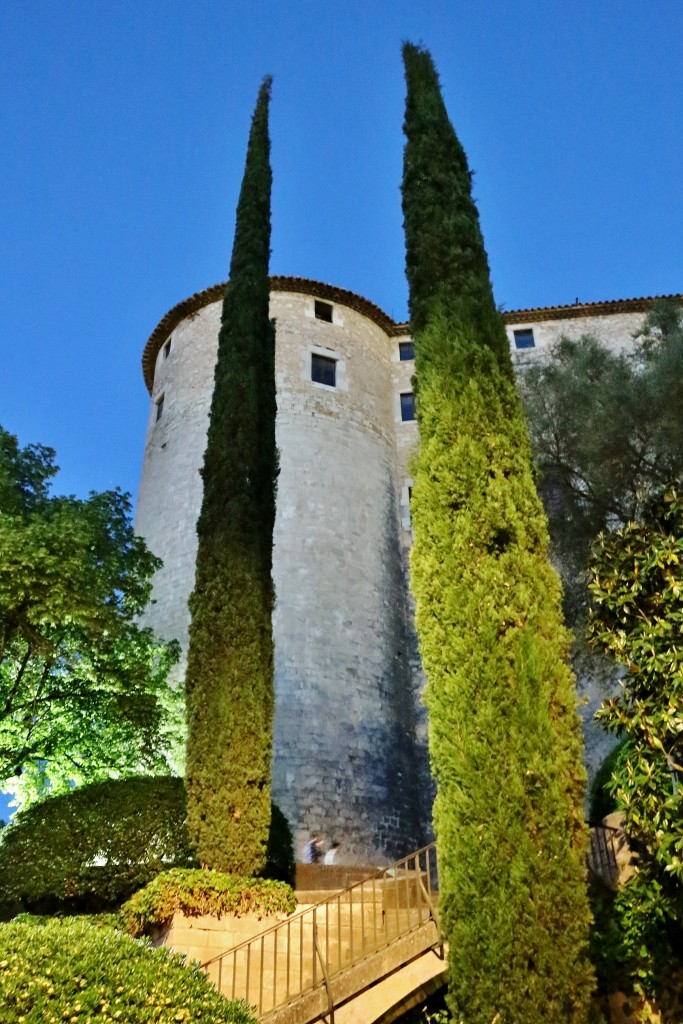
x,y
505,738
203,892
69,970
94,846
83,691
230,660
637,938
637,617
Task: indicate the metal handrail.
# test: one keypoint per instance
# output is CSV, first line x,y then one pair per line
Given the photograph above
x,y
286,960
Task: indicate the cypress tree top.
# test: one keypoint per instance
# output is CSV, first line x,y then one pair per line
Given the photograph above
x,y
240,463
446,262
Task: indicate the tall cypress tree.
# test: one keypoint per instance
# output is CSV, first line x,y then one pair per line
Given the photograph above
x,y
230,659
505,740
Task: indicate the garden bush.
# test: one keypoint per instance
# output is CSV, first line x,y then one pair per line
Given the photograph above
x,y
70,970
637,939
203,892
91,849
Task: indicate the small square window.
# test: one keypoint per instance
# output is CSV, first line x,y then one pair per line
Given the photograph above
x,y
524,338
160,408
323,311
323,370
406,351
407,406
167,349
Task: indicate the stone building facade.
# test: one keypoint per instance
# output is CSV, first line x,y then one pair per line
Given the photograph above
x,y
350,757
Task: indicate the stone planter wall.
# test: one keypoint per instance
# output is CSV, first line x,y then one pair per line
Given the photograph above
x,y
203,937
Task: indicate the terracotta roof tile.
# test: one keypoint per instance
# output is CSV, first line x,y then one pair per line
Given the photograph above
x,y
334,294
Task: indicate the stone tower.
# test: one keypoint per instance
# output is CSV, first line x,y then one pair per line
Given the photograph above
x,y
349,745
350,742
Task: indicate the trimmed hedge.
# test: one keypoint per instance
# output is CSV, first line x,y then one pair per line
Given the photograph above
x,y
203,892
91,849
71,970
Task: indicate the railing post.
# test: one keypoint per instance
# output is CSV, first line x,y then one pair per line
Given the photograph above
x,y
328,988
406,874
260,980
274,967
362,918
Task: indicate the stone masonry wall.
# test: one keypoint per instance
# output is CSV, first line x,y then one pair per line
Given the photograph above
x,y
350,732
615,332
345,697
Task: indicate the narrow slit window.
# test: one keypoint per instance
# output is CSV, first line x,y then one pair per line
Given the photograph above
x,y
407,406
406,351
524,338
167,349
323,370
323,311
160,408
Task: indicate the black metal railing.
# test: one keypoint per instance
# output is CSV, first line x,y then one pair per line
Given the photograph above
x,y
313,946
602,854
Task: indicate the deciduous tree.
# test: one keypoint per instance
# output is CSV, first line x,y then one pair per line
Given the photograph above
x,y
607,434
83,692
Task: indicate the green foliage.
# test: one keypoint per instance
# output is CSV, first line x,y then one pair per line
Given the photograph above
x,y
68,970
203,892
637,592
602,800
505,738
83,691
91,848
230,661
606,431
637,938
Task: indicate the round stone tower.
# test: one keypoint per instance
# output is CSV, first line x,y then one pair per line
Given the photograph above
x,y
348,760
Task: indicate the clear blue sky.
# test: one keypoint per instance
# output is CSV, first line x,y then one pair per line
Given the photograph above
x,y
124,128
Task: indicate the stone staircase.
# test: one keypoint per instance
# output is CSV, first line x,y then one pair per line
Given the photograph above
x,y
336,946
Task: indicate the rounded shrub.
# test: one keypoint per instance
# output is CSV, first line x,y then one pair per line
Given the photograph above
x,y
90,849
93,847
70,970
